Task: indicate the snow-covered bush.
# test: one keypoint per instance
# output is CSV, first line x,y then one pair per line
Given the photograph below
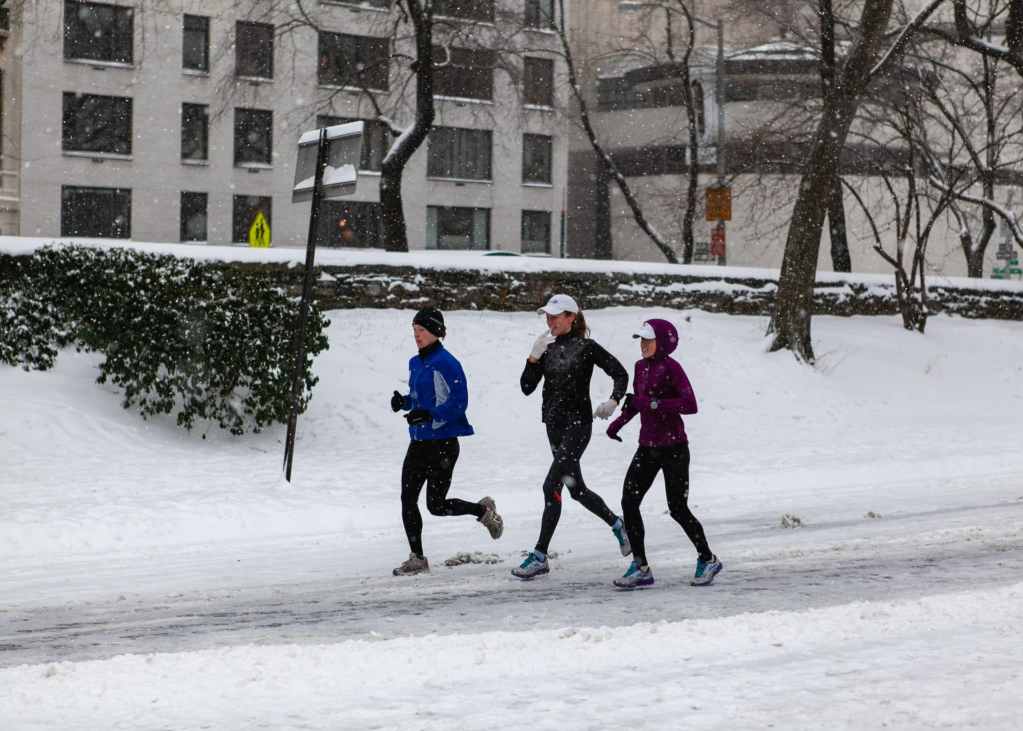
x,y
178,336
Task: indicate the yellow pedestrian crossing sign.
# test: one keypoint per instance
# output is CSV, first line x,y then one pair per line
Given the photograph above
x,y
259,233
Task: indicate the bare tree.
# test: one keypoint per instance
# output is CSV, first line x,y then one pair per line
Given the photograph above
x,y
790,322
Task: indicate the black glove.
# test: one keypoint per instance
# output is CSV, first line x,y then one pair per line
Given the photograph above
x,y
417,416
626,403
397,401
614,436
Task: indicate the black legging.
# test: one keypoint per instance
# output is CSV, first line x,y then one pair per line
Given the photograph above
x,y
431,461
646,463
568,442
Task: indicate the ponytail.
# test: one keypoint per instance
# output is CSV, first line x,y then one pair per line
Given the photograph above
x,y
579,327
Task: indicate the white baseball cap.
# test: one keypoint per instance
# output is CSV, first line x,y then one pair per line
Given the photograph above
x,y
559,303
646,332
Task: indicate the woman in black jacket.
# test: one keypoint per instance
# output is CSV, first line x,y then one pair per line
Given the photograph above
x,y
564,358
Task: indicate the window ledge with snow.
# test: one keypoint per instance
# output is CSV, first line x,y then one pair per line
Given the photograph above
x,y
195,162
539,107
536,184
463,99
254,165
98,156
255,80
458,181
101,65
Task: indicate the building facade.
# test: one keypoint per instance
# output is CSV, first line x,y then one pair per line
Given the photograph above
x,y
178,120
771,83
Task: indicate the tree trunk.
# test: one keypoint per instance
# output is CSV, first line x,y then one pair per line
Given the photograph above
x,y
393,166
793,309
603,242
841,261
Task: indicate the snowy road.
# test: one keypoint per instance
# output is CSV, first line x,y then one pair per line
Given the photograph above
x,y
768,568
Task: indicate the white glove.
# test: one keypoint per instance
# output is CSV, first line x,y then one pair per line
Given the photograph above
x,y
540,346
606,409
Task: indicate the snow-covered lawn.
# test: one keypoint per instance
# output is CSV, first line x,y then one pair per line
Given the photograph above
x,y
270,604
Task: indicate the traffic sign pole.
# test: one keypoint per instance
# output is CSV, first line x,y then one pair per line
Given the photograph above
x,y
298,337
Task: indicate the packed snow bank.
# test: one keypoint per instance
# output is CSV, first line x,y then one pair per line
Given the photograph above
x,y
947,661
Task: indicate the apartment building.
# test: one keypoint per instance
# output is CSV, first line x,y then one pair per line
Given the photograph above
x,y
179,120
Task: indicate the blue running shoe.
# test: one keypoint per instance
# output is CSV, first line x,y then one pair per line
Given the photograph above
x,y
635,577
623,537
533,566
706,571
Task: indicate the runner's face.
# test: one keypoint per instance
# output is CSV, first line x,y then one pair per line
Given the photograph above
x,y
647,347
560,324
424,338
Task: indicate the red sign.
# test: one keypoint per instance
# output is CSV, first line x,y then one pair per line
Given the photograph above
x,y
717,240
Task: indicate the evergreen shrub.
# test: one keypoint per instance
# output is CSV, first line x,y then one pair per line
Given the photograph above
x,y
177,335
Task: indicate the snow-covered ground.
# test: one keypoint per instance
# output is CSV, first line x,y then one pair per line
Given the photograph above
x,y
151,578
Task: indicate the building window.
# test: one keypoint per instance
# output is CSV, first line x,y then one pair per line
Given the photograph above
x,y
247,209
362,61
482,10
467,73
376,139
98,32
195,132
193,216
459,153
536,232
350,223
536,159
102,213
254,50
457,228
699,108
195,49
540,14
94,123
538,82
253,137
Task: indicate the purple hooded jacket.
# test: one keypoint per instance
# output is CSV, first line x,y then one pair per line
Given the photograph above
x,y
662,394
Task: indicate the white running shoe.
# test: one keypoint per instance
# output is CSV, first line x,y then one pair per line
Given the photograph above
x,y
623,537
533,566
635,577
706,571
414,565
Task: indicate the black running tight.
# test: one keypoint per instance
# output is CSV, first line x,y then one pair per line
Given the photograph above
x,y
568,442
431,461
646,463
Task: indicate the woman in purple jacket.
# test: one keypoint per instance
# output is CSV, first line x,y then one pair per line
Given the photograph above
x,y
662,395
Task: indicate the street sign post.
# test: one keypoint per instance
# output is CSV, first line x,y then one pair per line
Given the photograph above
x,y
327,168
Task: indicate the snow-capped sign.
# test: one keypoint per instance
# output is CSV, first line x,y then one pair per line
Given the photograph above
x,y
344,151
259,232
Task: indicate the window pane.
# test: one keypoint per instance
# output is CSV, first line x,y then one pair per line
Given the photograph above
x,y
254,50
350,223
539,81
98,32
467,73
194,132
95,212
539,13
536,232
469,9
458,228
536,159
376,139
95,123
253,136
459,153
361,61
246,209
193,216
196,43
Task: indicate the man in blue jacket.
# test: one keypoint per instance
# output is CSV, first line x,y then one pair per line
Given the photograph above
x,y
436,403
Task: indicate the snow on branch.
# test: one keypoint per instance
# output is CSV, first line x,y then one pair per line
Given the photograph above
x,y
900,43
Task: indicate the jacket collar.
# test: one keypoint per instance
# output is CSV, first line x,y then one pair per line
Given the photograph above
x,y
430,349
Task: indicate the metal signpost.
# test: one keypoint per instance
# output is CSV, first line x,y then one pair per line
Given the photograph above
x,y
328,161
